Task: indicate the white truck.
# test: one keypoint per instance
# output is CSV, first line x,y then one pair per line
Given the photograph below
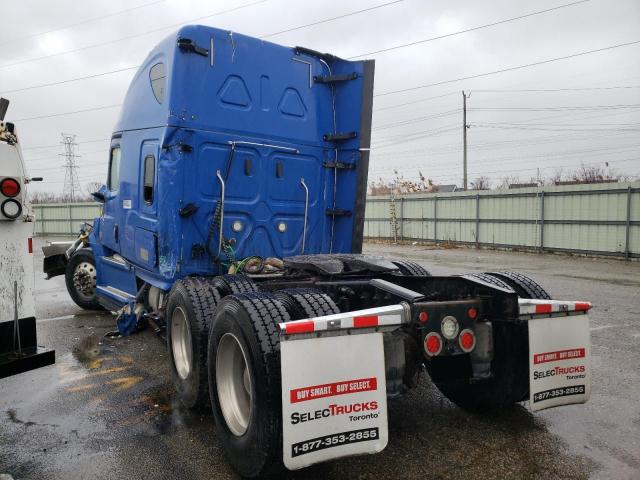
x,y
19,350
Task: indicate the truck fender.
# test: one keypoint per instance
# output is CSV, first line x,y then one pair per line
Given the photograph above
x,y
55,258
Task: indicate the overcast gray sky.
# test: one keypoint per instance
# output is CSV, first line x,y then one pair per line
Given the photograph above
x,y
583,121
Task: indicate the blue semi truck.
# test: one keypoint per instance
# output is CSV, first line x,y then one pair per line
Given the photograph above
x,y
232,221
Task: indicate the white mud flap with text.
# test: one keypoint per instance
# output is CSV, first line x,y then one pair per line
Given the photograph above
x,y
334,396
559,352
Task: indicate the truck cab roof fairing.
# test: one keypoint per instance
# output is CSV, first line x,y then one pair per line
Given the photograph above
x,y
244,86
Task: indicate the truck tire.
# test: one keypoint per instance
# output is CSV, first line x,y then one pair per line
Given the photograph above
x,y
491,280
245,381
80,278
233,284
190,308
411,269
306,303
524,286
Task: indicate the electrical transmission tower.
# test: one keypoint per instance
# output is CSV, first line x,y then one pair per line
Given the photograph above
x,y
71,182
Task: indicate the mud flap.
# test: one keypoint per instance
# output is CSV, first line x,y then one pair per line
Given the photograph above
x,y
31,355
559,354
334,399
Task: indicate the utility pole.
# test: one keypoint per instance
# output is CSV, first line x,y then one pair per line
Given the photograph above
x,y
71,183
464,139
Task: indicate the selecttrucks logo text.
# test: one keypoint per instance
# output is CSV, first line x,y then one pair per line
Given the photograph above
x,y
367,409
569,371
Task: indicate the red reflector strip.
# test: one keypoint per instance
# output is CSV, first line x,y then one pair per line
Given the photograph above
x,y
30,244
544,308
367,321
583,307
299,327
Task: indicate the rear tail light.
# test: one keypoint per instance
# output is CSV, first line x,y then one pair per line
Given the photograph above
x,y
449,327
473,313
11,209
9,187
467,340
433,344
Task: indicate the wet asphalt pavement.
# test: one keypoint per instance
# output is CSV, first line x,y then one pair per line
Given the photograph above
x,y
107,408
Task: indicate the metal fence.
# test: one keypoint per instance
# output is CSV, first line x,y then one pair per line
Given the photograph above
x,y
63,218
599,219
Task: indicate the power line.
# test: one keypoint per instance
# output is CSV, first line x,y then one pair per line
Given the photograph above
x,y
410,138
483,162
534,169
533,90
86,77
32,160
331,19
416,120
456,92
554,129
404,122
452,148
556,109
426,168
512,124
129,37
479,27
60,114
83,22
396,105
509,69
58,145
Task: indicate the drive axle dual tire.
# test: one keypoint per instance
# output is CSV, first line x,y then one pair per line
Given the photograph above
x,y
190,308
245,381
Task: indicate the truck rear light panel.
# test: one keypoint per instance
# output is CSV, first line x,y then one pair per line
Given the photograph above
x,y
10,198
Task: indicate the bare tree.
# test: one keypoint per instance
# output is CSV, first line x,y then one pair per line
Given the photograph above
x,y
93,186
481,183
557,177
399,185
509,180
46,197
594,174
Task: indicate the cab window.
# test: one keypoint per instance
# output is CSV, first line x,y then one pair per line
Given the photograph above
x,y
158,79
114,169
149,178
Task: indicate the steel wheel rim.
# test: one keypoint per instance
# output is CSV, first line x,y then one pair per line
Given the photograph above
x,y
181,346
84,279
233,384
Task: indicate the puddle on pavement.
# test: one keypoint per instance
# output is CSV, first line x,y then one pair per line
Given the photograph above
x,y
87,348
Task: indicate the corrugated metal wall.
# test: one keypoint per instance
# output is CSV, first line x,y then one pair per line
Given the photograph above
x,y
601,219
64,218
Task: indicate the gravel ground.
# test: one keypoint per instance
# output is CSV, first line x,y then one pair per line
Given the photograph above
x,y
107,408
